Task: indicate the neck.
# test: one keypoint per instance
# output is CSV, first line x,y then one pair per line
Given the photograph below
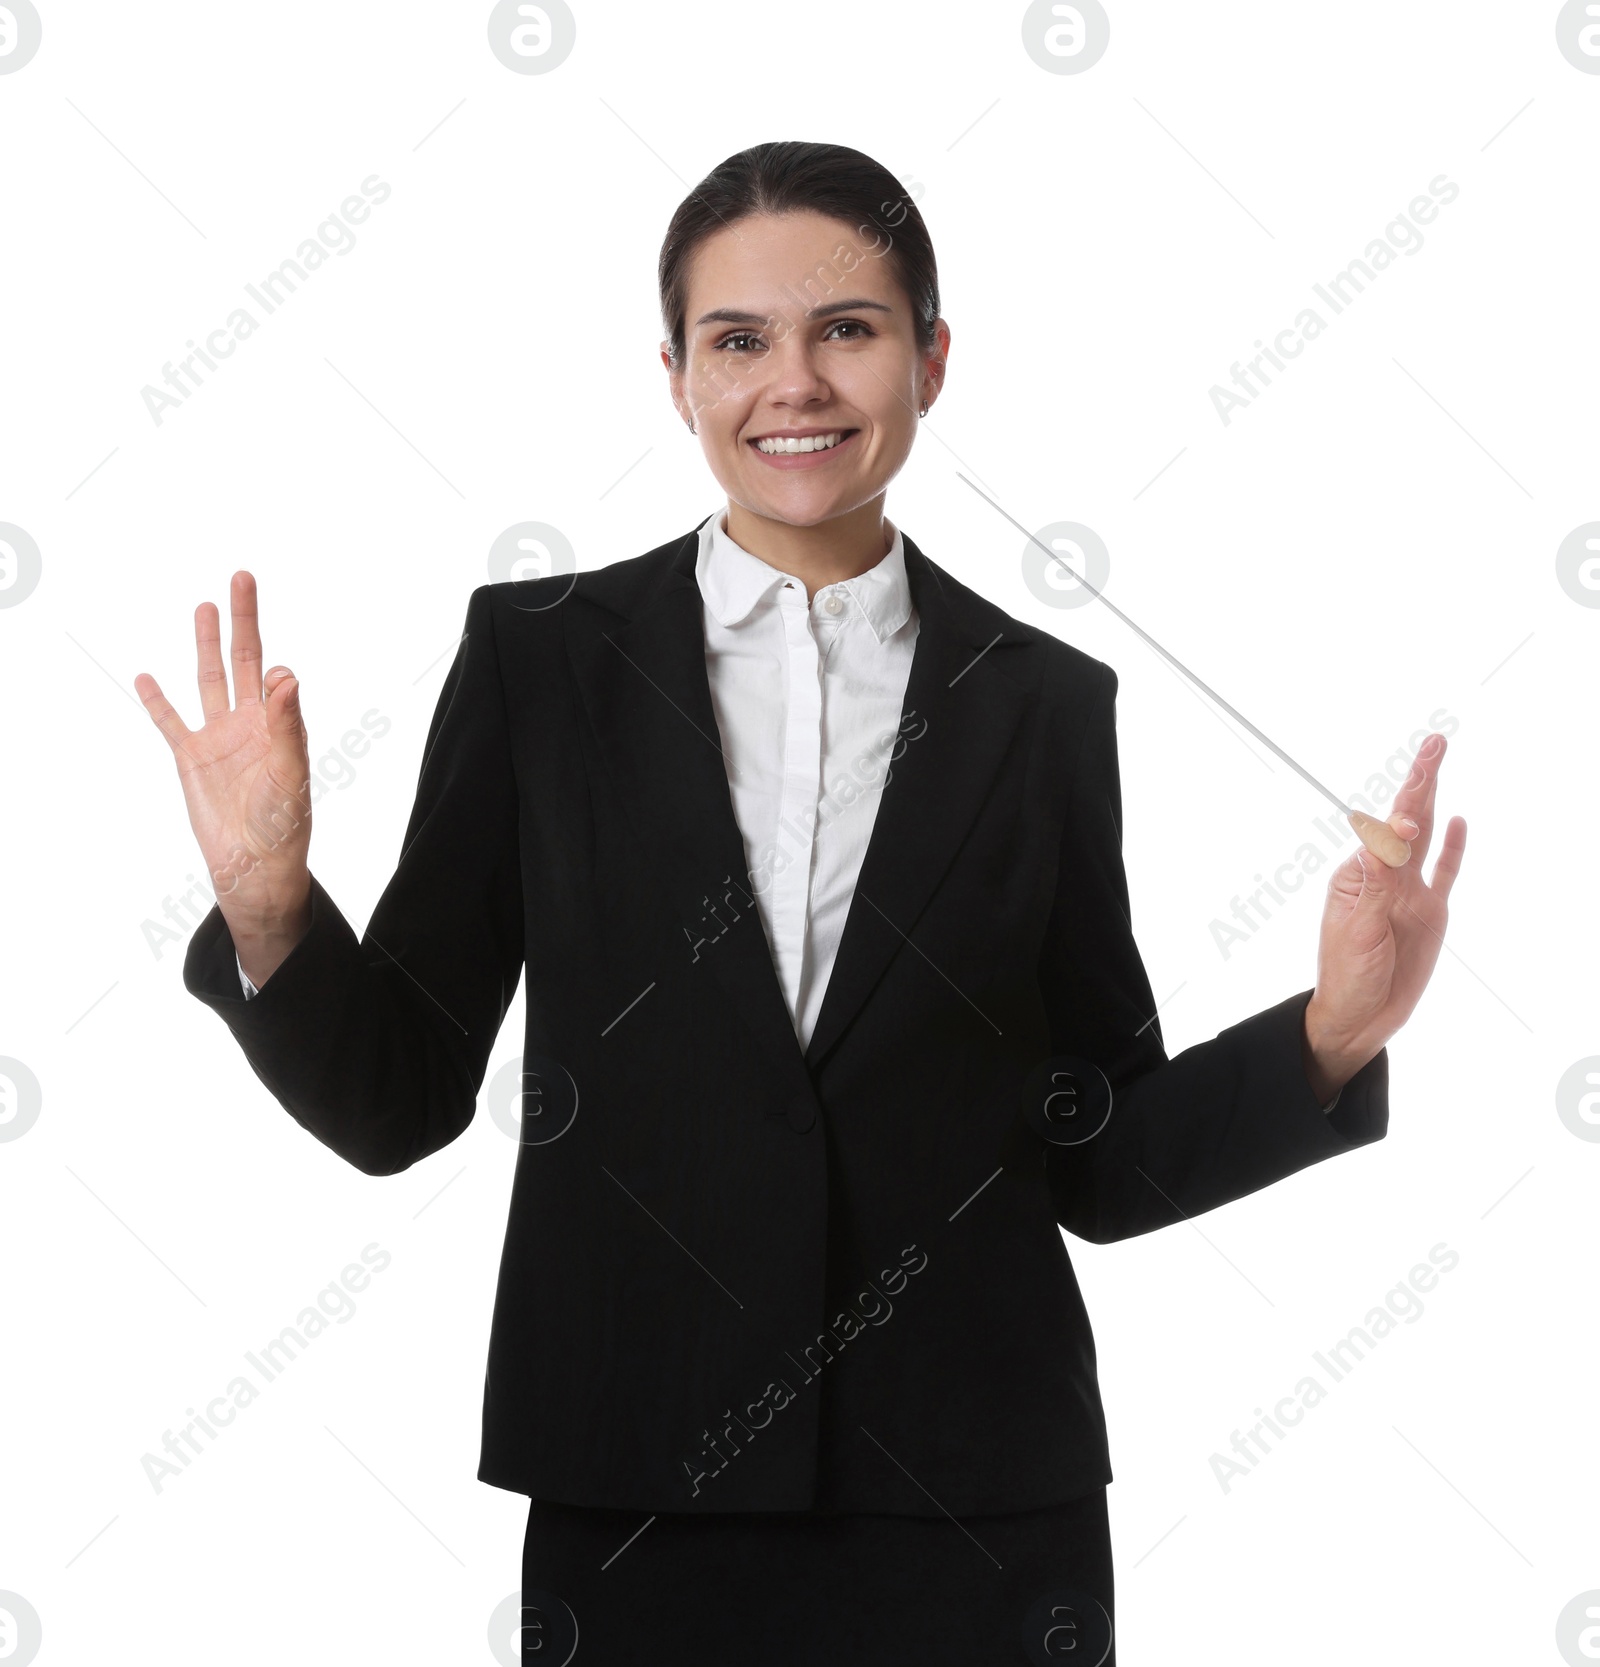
x,y
825,554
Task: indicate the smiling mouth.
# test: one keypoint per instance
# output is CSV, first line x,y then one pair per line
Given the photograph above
x,y
775,445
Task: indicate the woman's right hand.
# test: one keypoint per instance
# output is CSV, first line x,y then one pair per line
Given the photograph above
x,y
246,779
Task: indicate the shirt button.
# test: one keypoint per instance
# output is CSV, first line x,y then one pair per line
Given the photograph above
x,y
833,604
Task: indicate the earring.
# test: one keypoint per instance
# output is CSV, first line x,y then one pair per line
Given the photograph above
x,y
692,428
924,411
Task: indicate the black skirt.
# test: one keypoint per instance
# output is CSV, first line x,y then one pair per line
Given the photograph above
x,y
611,1588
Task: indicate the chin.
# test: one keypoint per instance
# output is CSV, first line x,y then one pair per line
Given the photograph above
x,y
806,508
792,516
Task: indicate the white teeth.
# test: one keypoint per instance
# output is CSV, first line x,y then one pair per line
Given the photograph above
x,y
815,442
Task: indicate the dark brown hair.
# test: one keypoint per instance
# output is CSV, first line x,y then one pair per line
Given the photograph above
x,y
790,175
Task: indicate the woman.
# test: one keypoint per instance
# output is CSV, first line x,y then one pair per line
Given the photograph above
x,y
787,1350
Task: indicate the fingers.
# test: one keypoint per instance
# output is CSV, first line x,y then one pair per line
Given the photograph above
x,y
162,712
1416,798
1448,865
210,676
246,647
283,702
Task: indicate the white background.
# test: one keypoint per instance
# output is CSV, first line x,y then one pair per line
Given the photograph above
x,y
1370,544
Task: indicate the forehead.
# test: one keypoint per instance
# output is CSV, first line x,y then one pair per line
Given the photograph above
x,y
785,264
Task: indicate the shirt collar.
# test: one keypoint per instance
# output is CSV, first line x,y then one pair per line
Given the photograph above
x,y
733,582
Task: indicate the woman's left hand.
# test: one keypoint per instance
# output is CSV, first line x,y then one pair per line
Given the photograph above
x,y
1382,930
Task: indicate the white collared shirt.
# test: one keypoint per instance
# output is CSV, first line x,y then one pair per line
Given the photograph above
x,y
808,700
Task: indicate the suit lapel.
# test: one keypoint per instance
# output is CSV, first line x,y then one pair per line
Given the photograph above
x,y
959,713
643,681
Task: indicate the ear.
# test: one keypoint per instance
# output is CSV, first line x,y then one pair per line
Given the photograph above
x,y
675,382
934,361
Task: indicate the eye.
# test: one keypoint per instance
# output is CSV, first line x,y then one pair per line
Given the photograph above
x,y
729,341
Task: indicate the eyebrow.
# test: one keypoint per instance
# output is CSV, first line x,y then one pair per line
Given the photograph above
x,y
732,315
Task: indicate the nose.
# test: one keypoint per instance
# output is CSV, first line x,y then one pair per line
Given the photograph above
x,y
790,373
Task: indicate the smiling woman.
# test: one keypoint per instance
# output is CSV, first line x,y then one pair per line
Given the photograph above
x,y
800,291
779,1112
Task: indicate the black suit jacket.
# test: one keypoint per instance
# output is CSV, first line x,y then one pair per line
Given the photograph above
x,y
736,1275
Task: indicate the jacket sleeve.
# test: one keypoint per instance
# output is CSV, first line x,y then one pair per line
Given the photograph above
x,y
1183,1135
379,1046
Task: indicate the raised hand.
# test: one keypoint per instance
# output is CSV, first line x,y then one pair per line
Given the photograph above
x,y
246,779
1382,930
